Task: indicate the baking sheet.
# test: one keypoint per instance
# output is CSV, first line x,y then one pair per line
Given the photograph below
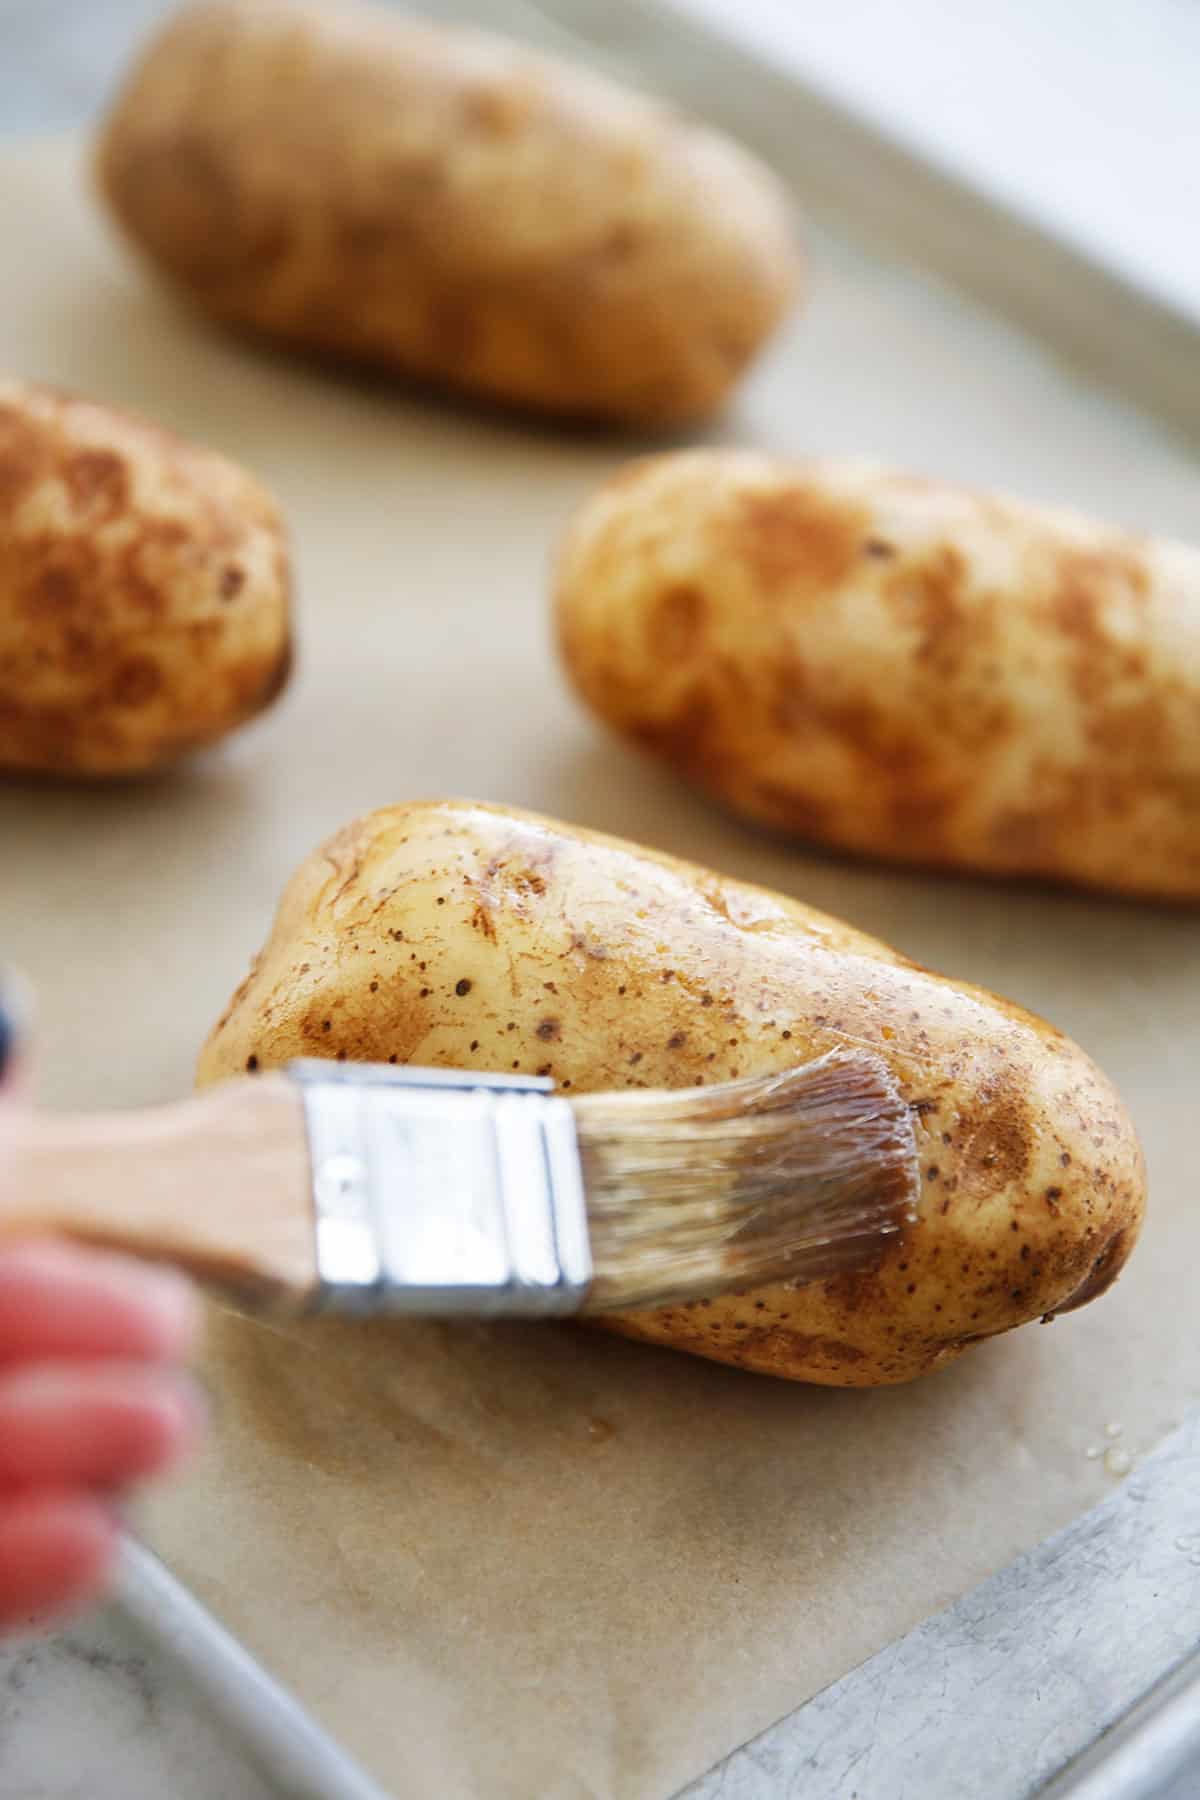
x,y
1003,1692
509,1562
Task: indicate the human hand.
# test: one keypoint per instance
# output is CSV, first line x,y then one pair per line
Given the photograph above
x,y
92,1399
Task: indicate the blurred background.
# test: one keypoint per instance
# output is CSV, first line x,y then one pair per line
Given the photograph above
x,y
1080,114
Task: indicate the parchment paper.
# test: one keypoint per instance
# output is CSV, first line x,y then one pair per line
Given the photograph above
x,y
515,1562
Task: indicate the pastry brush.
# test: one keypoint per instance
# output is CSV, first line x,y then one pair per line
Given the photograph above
x,y
446,1193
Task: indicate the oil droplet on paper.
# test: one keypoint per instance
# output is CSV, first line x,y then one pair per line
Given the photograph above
x,y
1118,1462
1113,1430
1093,1452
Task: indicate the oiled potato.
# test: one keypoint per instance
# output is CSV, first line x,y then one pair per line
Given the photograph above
x,y
450,206
475,937
898,667
143,590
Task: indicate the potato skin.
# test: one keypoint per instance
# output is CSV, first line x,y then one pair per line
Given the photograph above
x,y
462,935
144,590
443,204
897,667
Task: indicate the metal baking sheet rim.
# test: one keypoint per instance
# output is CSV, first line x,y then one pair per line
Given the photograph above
x,y
1147,1725
279,1737
1110,1712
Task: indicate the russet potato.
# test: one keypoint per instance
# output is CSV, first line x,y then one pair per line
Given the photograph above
x,y
470,936
444,205
144,590
898,667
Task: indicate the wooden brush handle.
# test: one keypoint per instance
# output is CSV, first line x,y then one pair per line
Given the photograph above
x,y
218,1185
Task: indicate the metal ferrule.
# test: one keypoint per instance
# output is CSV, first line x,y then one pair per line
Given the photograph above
x,y
444,1193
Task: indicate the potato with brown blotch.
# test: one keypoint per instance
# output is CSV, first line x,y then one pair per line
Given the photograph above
x,y
449,206
144,590
897,667
473,937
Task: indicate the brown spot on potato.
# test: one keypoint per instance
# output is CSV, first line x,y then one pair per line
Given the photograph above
x,y
55,590
675,630
498,111
97,481
1135,737
996,1145
78,650
621,241
137,681
931,597
796,538
481,920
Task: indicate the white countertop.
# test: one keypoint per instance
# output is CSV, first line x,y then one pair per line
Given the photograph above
x,y
94,1714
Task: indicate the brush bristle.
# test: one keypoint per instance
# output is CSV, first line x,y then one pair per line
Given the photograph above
x,y
788,1177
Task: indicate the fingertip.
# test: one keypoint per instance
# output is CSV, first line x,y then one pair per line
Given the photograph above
x,y
174,1311
62,1300
100,1425
172,1427
57,1553
147,1424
